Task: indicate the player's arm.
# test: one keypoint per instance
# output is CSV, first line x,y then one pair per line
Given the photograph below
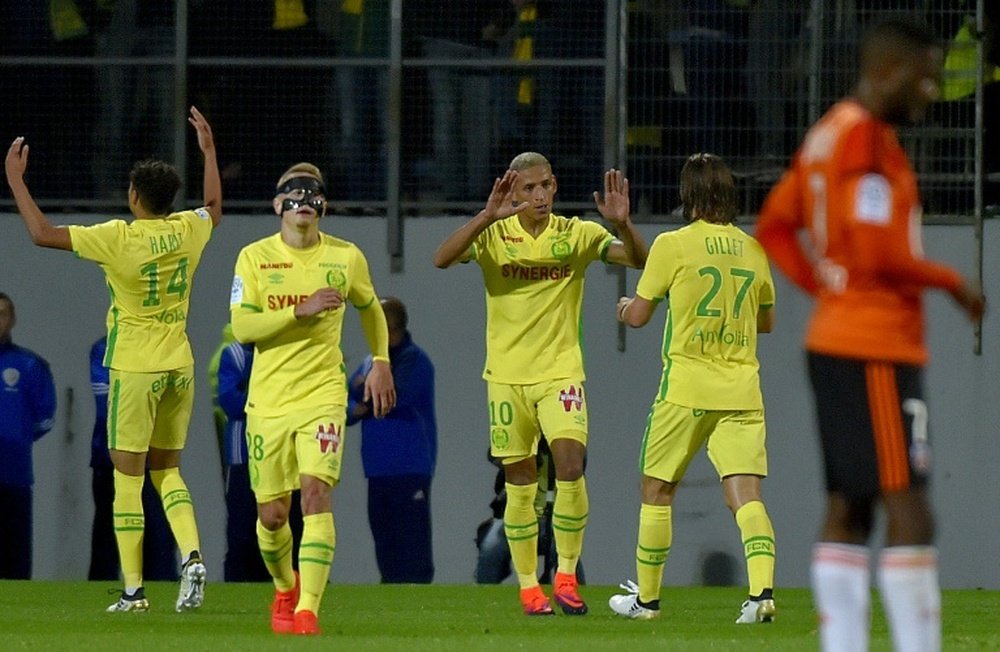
x,y
777,230
42,232
765,319
499,205
211,183
43,396
234,380
635,311
380,388
629,248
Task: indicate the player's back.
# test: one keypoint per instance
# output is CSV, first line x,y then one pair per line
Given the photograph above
x,y
149,265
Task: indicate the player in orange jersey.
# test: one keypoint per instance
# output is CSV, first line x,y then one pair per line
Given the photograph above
x,y
851,188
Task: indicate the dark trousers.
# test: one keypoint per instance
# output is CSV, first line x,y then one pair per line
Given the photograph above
x,y
15,544
399,512
159,557
243,561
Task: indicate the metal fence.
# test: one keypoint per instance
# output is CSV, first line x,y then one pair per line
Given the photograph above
x,y
414,106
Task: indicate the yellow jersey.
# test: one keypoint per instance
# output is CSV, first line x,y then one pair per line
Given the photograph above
x,y
715,279
297,363
534,294
149,266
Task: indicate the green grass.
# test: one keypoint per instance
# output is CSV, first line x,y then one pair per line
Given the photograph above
x,y
70,616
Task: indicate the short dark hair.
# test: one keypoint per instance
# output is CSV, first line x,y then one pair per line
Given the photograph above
x,y
157,183
394,307
708,191
10,302
892,38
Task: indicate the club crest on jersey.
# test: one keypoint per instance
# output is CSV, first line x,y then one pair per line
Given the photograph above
x,y
561,249
11,376
329,438
336,279
572,397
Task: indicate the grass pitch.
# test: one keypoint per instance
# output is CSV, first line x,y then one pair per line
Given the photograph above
x,y
70,616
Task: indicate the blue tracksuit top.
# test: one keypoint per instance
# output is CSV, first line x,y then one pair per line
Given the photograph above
x,y
404,442
27,410
234,379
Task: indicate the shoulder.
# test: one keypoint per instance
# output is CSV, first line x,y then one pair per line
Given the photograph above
x,y
28,358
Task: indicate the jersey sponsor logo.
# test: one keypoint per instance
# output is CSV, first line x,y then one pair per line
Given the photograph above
x,y
328,438
571,397
282,301
236,293
536,272
511,238
326,265
170,380
165,243
275,278
203,213
174,316
10,377
281,265
721,336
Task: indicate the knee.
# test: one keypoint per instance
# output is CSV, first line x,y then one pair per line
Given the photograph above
x,y
316,497
272,515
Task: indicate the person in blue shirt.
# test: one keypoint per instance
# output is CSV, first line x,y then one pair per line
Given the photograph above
x,y
231,379
158,558
27,411
399,452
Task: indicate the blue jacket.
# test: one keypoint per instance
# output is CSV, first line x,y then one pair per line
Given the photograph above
x,y
99,379
27,411
404,442
234,378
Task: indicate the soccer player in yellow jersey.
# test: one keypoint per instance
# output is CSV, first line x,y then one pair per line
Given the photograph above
x,y
717,284
289,297
533,265
149,265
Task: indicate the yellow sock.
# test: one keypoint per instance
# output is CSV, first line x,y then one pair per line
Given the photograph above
x,y
130,523
276,551
520,524
178,508
569,519
319,540
758,545
655,535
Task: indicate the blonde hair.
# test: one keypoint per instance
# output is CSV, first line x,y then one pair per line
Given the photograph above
x,y
298,170
526,160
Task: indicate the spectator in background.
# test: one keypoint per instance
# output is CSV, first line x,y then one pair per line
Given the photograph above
x,y
136,101
399,452
231,378
27,411
362,97
462,129
158,557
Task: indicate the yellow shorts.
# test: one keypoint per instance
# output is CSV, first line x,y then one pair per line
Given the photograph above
x,y
305,442
675,433
149,409
521,414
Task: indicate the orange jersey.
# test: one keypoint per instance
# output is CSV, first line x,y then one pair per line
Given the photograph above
x,y
851,188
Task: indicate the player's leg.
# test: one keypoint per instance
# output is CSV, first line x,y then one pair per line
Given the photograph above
x,y
273,476
672,437
840,573
908,566
170,429
131,405
319,453
562,413
737,449
514,436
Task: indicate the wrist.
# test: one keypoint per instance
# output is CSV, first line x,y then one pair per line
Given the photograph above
x,y
380,358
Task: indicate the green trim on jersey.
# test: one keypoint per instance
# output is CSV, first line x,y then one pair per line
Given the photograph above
x,y
250,306
113,415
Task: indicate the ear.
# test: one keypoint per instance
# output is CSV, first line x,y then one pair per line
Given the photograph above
x,y
277,206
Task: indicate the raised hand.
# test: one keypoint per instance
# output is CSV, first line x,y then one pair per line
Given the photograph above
x,y
614,206
500,203
320,300
206,141
17,160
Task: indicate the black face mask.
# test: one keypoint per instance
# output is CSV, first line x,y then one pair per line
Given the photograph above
x,y
313,194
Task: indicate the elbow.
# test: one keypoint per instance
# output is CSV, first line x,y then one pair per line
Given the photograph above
x,y
441,261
